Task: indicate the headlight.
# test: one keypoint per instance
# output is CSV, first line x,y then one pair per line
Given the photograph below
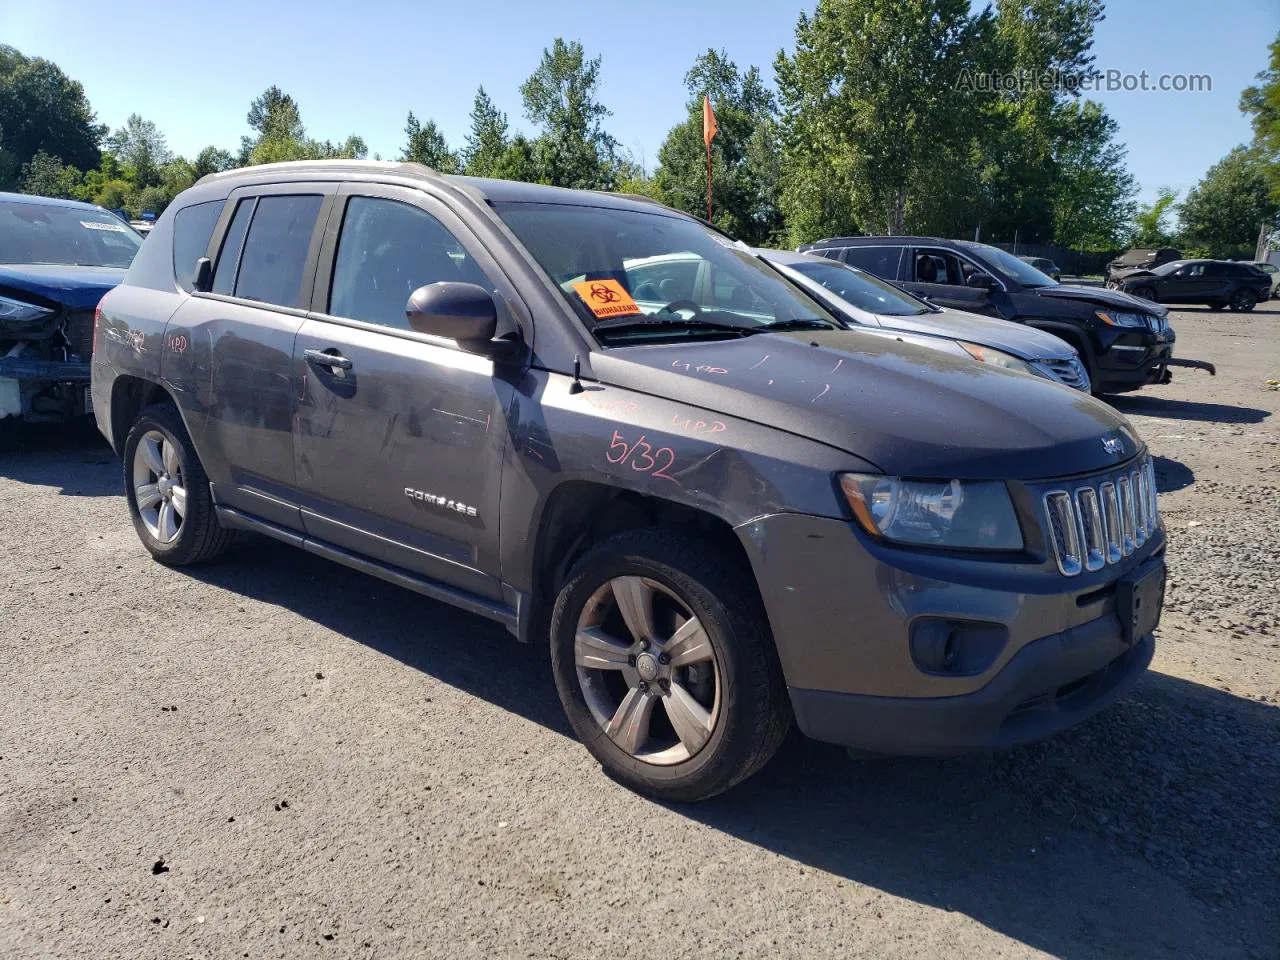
x,y
997,358
1116,318
970,515
20,312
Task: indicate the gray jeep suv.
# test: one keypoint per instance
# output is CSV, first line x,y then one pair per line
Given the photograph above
x,y
720,509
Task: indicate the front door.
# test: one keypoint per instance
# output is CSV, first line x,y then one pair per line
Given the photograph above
x,y
398,436
1188,284
943,277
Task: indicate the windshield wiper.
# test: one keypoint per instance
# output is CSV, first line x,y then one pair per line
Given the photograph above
x,y
671,322
781,326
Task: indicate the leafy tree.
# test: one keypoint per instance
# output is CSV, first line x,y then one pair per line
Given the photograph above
x,y
487,142
46,176
141,148
1223,212
1262,103
9,166
745,155
427,145
275,118
517,162
561,98
868,96
1091,196
149,200
212,160
1151,220
42,110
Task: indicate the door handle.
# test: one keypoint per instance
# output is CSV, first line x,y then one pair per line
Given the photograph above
x,y
319,358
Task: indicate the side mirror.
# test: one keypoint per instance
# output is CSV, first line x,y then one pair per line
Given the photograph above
x,y
980,281
202,276
463,312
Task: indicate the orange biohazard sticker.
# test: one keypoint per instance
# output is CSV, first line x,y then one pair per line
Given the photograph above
x,y
606,298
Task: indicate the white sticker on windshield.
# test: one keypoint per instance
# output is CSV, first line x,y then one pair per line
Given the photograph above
x,y
98,225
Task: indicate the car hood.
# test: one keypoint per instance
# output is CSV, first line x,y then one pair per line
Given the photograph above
x,y
79,288
1025,343
1100,296
911,411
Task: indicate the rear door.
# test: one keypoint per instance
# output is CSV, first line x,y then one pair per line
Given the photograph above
x,y
399,436
882,262
229,352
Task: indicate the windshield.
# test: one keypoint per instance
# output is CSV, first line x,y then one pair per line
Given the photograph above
x,y
651,275
76,236
1167,268
1011,266
861,290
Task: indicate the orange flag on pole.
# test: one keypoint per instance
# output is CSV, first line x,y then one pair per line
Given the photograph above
x,y
709,128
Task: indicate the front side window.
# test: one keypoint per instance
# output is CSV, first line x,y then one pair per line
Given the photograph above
x,y
387,250
275,251
611,266
32,233
1009,265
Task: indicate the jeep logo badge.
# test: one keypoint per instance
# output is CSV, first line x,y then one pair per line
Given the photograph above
x,y
1113,444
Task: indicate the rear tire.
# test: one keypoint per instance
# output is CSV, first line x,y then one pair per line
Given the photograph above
x,y
1243,301
630,706
168,491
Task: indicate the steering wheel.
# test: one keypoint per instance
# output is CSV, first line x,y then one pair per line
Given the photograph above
x,y
676,305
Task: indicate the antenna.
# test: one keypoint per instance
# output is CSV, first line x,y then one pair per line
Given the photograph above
x,y
576,386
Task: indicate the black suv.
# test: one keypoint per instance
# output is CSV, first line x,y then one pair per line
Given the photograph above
x,y
1126,342
1217,283
618,433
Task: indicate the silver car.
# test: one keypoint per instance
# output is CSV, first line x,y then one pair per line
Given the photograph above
x,y
869,302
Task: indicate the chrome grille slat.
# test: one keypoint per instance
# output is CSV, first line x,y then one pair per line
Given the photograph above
x,y
1104,519
1068,370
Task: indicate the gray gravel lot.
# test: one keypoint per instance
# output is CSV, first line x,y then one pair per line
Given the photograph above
x,y
276,757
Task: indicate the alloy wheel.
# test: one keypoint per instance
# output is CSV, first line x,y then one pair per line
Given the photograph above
x,y
647,670
158,486
1243,301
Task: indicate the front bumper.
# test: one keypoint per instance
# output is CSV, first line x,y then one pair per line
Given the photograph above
x,y
843,611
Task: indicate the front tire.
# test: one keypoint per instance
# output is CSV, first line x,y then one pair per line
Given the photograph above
x,y
168,491
665,666
1147,293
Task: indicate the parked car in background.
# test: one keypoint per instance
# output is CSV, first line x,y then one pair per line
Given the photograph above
x,y
1217,283
865,302
1045,266
57,259
1139,259
1125,342
720,511
1272,271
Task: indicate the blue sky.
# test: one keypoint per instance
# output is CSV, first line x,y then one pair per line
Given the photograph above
x,y
360,67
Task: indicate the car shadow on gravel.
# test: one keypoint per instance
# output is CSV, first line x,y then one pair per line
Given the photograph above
x,y
461,649
71,456
1172,475
1148,831
1187,410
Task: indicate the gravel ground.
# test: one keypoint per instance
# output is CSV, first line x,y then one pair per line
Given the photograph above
x,y
276,757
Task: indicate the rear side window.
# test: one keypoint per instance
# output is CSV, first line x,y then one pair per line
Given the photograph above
x,y
275,251
224,276
879,261
192,228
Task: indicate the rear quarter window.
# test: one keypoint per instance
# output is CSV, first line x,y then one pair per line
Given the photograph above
x,y
192,228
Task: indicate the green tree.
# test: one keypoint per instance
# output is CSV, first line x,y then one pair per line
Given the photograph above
x,y
42,110
1222,213
141,148
46,176
280,135
1262,103
561,98
517,161
487,142
868,97
1151,220
745,155
1091,195
212,160
426,144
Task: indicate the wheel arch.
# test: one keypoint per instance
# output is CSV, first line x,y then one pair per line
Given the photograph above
x,y
130,395
580,513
